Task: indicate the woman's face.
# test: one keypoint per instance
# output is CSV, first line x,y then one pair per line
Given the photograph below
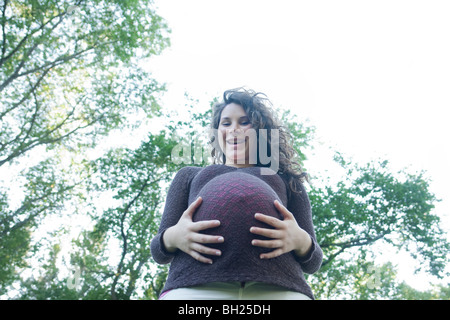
x,y
232,138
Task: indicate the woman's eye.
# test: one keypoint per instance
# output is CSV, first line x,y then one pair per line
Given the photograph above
x,y
244,123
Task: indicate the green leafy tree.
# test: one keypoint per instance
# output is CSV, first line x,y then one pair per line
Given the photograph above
x,y
44,195
69,74
134,177
46,284
138,180
369,205
438,292
111,259
69,69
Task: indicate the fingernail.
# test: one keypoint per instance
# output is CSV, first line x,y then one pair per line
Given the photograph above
x,y
253,242
218,253
220,239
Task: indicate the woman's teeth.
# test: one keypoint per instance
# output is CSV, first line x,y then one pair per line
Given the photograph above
x,y
235,142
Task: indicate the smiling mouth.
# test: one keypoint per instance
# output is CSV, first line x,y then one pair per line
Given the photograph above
x,y
235,141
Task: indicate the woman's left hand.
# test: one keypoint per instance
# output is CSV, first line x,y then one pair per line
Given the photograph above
x,y
287,235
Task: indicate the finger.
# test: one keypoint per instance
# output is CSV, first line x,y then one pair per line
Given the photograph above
x,y
203,225
272,221
204,238
197,256
267,243
272,254
269,233
193,207
283,210
205,250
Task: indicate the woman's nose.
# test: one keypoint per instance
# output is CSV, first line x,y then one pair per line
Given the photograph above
x,y
234,130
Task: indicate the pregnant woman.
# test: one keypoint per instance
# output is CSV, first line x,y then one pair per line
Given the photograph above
x,y
231,230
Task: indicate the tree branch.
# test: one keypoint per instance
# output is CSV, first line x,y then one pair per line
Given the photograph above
x,y
124,236
22,129
26,205
26,95
24,39
16,74
359,242
44,139
5,3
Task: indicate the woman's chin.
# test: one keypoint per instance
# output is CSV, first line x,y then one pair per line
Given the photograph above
x,y
236,159
237,156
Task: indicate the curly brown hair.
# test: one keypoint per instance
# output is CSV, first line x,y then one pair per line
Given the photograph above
x,y
261,115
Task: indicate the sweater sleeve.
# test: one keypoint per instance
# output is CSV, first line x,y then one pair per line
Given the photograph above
x,y
300,206
176,203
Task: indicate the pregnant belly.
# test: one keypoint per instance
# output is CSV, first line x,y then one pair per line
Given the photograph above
x,y
233,199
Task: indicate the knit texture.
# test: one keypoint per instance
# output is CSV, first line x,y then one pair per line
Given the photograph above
x,y
233,196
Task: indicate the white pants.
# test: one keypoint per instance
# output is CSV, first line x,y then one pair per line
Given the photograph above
x,y
233,291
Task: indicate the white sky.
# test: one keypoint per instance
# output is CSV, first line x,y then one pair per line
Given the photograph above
x,y
372,76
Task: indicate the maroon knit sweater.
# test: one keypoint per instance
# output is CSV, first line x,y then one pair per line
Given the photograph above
x,y
233,196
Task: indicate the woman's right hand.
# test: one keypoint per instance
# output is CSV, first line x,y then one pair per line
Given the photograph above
x,y
185,235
